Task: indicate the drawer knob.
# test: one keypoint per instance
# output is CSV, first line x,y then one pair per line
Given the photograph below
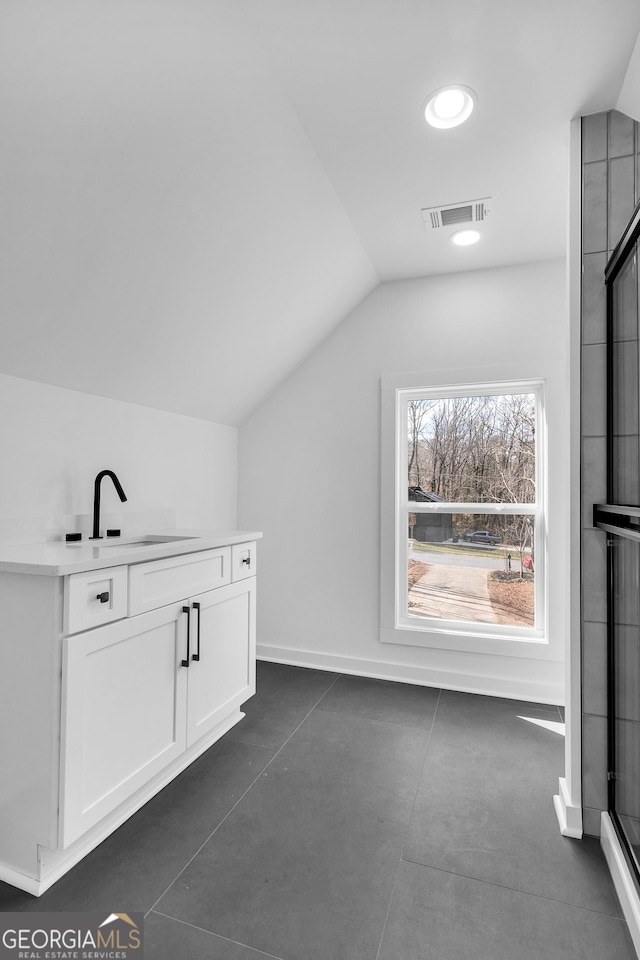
x,y
246,560
103,597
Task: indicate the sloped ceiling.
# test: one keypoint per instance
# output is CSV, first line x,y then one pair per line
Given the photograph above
x,y
169,236
194,193
629,99
360,70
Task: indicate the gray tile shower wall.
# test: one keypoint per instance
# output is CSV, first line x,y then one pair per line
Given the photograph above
x,y
610,190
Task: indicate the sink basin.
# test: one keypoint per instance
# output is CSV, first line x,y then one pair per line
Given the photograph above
x,y
149,541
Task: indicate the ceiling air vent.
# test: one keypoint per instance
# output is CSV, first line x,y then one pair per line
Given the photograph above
x,y
474,211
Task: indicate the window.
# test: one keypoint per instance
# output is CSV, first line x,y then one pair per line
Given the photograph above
x,y
469,517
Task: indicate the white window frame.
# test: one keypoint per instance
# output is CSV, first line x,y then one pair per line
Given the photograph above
x,y
396,625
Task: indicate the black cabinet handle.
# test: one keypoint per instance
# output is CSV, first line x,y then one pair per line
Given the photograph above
x,y
246,560
196,606
187,610
103,597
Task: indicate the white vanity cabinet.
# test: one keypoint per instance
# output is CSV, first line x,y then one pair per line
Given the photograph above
x,y
137,693
154,673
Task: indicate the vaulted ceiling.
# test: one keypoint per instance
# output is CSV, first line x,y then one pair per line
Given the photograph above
x,y
193,193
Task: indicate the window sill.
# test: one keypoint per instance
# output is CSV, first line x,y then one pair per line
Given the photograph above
x,y
535,646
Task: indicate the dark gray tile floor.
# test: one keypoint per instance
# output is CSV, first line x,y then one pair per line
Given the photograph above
x,y
354,819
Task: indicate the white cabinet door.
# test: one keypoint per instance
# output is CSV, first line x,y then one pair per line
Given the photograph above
x,y
123,713
222,668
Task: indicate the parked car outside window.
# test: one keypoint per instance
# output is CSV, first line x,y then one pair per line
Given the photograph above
x,y
482,536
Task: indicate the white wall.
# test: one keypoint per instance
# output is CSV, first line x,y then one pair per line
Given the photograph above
x,y
169,236
309,471
175,470
629,99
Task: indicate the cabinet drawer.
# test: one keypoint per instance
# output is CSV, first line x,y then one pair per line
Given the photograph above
x,y
94,598
243,561
159,582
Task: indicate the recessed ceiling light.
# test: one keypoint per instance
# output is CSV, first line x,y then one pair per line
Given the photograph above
x,y
464,238
449,106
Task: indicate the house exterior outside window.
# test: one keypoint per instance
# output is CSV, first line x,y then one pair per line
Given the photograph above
x,y
467,489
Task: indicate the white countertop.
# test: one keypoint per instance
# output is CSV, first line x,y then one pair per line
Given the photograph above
x,y
58,558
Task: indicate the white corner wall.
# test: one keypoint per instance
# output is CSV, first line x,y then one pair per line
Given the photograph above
x,y
175,470
629,98
309,472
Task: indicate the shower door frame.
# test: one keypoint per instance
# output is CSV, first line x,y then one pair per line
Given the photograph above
x,y
619,521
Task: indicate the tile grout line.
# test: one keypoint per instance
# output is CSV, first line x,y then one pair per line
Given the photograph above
x,y
209,933
240,798
524,893
426,752
409,818
194,926
356,716
319,700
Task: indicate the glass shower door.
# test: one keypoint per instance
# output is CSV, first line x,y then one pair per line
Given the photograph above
x,y
623,453
624,762
620,518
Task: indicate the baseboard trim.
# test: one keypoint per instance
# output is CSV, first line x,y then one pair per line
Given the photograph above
x,y
20,880
510,689
622,879
569,816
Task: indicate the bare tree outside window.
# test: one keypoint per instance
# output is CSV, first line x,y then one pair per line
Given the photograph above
x,y
472,450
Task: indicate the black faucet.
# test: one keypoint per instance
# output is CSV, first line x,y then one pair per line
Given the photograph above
x,y
96,499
